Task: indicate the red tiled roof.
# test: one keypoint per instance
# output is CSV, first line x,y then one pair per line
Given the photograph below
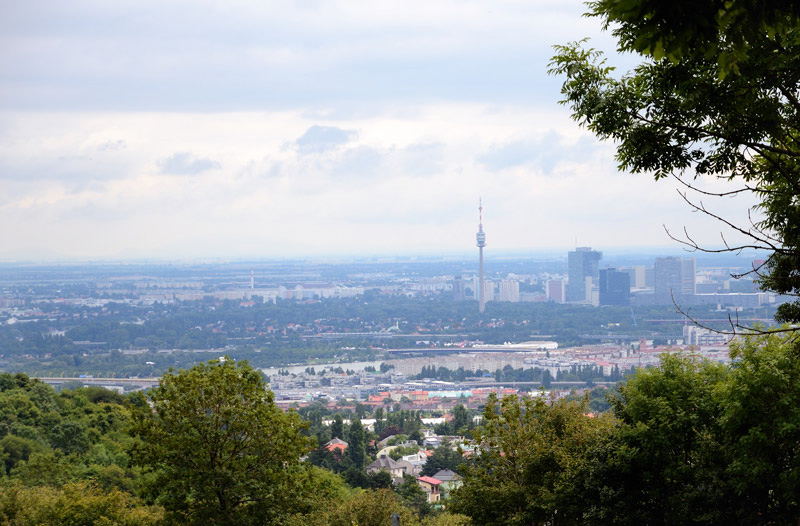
x,y
430,480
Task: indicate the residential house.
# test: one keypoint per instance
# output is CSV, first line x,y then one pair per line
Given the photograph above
x,y
386,464
431,487
450,481
337,446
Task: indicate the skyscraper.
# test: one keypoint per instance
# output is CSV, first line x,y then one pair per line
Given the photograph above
x,y
480,237
509,291
615,287
582,263
458,289
554,288
668,280
688,276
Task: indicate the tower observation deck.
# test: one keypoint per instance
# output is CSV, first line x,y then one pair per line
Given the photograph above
x,y
480,238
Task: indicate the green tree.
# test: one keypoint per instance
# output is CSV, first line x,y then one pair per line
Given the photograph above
x,y
667,462
218,449
356,445
462,420
337,427
531,454
761,425
15,449
74,504
443,457
413,496
371,508
717,94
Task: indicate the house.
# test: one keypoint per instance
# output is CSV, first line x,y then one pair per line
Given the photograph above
x,y
337,446
450,481
386,464
431,487
408,468
418,460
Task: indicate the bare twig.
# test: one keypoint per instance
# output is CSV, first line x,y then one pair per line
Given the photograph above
x,y
736,328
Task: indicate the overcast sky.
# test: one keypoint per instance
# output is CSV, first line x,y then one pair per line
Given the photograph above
x,y
230,129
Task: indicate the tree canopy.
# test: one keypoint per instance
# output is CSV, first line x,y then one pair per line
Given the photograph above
x,y
689,442
219,450
717,95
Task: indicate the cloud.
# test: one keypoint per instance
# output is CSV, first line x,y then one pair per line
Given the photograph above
x,y
544,152
318,139
183,163
409,182
422,159
111,146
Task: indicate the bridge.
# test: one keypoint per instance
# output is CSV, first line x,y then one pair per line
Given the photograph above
x,y
139,383
455,350
553,384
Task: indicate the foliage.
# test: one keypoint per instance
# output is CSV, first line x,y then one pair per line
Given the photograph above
x,y
761,429
219,450
74,504
530,454
400,451
688,442
413,496
337,427
362,508
667,450
444,457
717,95
52,439
446,519
356,445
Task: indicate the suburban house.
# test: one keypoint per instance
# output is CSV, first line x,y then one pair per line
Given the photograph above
x,y
417,460
337,446
450,481
431,487
386,464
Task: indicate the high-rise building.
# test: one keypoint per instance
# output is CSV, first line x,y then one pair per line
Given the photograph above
x,y
639,280
555,290
488,291
458,289
509,291
649,277
582,263
480,238
615,287
668,280
688,276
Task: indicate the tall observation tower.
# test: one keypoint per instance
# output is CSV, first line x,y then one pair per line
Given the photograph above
x,y
480,237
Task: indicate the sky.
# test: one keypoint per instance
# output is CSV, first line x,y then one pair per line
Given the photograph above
x,y
243,129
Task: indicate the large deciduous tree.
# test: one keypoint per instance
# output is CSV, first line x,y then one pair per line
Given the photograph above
x,y
219,450
717,95
530,454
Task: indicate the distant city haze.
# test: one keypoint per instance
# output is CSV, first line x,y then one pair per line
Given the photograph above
x,y
308,129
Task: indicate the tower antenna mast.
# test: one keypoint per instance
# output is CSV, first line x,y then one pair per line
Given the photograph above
x,y
480,237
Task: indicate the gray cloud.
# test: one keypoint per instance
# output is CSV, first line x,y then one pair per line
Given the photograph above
x,y
117,55
318,139
183,163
